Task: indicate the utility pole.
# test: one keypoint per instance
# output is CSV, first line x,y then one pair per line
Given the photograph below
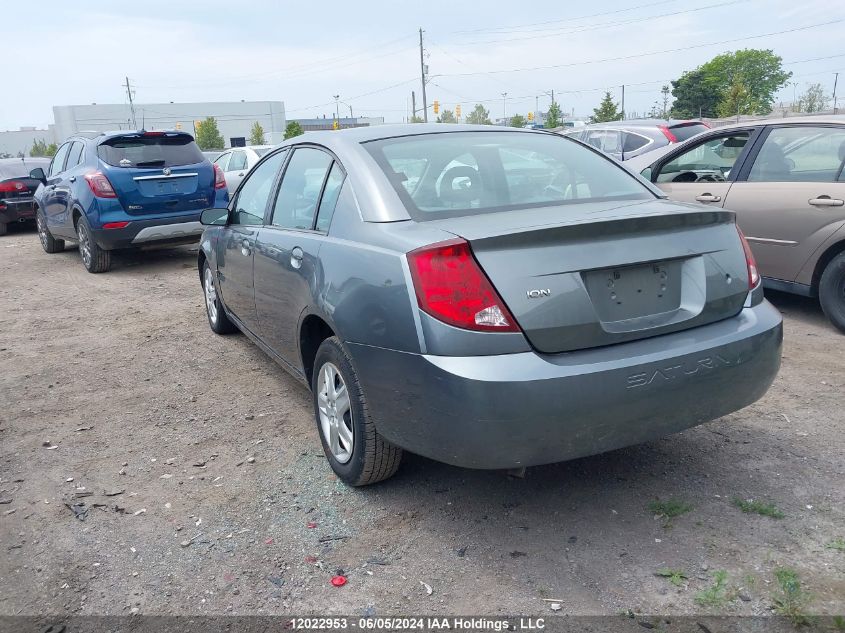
x,y
422,77
337,109
835,83
504,105
623,102
413,106
131,103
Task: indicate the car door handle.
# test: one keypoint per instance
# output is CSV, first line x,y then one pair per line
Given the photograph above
x,y
246,248
72,178
826,201
296,256
708,197
241,175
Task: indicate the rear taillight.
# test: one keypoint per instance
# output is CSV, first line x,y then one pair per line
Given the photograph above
x,y
668,133
100,185
451,287
219,179
12,186
115,225
750,262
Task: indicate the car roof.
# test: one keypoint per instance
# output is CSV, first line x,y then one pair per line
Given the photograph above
x,y
801,120
646,123
105,136
377,132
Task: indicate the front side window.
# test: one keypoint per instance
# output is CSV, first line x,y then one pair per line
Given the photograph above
x,y
237,161
800,154
296,202
254,193
711,160
223,160
468,173
58,164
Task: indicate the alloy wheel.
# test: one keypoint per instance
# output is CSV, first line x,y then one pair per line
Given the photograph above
x,y
84,245
335,413
42,231
210,296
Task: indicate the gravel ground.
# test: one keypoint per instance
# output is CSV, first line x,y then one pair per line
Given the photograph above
x,y
205,489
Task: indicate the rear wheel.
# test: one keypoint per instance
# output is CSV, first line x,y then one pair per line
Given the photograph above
x,y
832,291
94,258
217,319
354,448
49,243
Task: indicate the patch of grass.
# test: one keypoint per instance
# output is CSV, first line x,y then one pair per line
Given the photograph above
x,y
669,509
838,544
750,580
839,623
792,598
750,506
675,576
717,594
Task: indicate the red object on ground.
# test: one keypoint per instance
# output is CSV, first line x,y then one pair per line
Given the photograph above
x,y
269,541
311,525
311,559
338,581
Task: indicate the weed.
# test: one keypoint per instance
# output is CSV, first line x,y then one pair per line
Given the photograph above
x,y
792,598
839,623
750,580
750,506
717,594
669,509
675,576
837,544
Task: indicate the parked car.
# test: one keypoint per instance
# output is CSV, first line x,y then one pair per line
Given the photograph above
x,y
440,295
237,161
626,139
118,190
784,179
17,189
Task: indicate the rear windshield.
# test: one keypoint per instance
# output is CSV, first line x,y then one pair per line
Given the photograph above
x,y
20,169
446,175
687,130
150,151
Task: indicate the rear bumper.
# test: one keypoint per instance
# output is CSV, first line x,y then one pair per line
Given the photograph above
x,y
176,230
526,409
17,210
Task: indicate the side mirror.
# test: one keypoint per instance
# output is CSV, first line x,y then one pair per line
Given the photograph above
x,y
38,174
214,216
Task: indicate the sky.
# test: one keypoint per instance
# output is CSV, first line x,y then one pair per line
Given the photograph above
x,y
304,53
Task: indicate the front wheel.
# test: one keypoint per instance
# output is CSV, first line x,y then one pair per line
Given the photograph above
x,y
94,258
356,451
832,291
217,319
49,243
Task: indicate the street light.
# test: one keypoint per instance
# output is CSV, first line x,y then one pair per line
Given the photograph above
x,y
337,108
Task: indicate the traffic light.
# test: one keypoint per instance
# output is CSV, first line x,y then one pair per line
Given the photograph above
x,y
436,106
530,116
335,124
458,110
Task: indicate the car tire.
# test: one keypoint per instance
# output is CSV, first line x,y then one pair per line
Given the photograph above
x,y
4,228
832,291
370,458
218,321
49,243
95,259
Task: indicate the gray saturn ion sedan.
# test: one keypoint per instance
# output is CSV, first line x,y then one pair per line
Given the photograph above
x,y
485,297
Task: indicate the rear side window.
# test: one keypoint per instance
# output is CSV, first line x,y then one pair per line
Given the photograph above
x,y
633,142
150,151
75,154
331,191
461,173
687,130
800,154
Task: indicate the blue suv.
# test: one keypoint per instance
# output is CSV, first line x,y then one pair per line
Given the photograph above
x,y
118,190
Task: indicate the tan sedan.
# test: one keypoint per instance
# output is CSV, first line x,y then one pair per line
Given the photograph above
x,y
784,179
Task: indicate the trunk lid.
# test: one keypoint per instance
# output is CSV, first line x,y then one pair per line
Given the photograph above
x,y
157,173
599,273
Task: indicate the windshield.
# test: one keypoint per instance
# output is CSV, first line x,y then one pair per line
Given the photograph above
x,y
150,151
464,173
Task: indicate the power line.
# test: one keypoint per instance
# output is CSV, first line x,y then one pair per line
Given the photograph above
x,y
651,53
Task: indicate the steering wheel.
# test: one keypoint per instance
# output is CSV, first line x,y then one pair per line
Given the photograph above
x,y
710,178
466,191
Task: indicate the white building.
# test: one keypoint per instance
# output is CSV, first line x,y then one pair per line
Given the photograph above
x,y
234,120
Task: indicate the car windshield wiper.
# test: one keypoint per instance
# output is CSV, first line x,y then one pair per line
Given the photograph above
x,y
150,163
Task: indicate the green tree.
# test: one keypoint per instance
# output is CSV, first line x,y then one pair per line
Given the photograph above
x,y
607,110
554,117
517,120
447,116
417,119
814,100
39,148
256,135
208,136
741,82
696,94
479,115
51,150
293,128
